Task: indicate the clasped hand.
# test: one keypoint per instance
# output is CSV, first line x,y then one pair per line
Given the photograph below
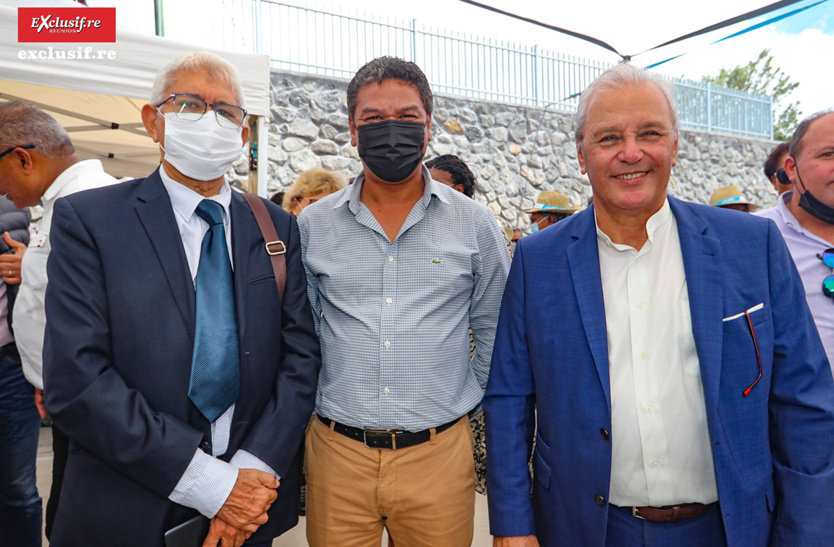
x,y
245,509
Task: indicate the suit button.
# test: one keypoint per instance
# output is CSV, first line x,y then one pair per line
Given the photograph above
x,y
205,446
604,433
600,500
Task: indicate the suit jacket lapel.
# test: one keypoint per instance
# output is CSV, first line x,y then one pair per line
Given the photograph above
x,y
157,217
583,260
701,256
242,222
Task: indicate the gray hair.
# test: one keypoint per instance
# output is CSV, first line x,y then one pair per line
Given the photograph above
x,y
22,124
802,128
618,77
215,67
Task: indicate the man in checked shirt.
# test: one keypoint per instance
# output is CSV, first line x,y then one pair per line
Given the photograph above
x,y
398,268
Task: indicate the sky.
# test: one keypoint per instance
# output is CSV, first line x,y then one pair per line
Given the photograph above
x,y
801,44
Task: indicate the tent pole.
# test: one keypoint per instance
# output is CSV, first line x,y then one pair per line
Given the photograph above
x,y
158,18
258,156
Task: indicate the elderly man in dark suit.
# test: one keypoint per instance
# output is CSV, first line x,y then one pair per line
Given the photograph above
x,y
182,377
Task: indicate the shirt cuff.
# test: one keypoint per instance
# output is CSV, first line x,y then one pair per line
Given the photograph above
x,y
244,460
205,485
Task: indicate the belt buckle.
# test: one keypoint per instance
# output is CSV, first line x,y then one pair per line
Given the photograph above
x,y
393,434
635,514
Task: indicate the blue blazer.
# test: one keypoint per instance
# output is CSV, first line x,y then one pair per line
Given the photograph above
x,y
773,450
117,362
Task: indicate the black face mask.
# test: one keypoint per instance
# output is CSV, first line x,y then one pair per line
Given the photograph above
x,y
812,205
392,149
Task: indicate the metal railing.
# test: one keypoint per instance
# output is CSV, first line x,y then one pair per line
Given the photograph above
x,y
301,38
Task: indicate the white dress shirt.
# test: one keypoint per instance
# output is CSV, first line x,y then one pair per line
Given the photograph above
x,y
29,315
661,451
207,480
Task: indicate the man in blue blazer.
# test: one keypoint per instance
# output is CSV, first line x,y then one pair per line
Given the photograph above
x,y
683,396
144,277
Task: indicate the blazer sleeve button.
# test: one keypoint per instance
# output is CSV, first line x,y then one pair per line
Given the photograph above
x,y
600,500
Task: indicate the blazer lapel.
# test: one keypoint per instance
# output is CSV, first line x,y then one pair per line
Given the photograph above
x,y
583,260
242,222
701,256
157,217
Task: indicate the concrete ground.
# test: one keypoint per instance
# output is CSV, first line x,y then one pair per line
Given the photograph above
x,y
292,538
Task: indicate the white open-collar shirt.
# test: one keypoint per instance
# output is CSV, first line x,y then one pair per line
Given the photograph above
x,y
661,452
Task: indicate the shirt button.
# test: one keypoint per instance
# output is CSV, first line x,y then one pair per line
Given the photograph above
x,y
655,463
649,408
599,500
388,300
390,259
386,391
641,304
644,355
639,259
387,344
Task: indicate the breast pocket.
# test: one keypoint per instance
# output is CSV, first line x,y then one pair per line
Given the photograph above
x,y
746,345
737,322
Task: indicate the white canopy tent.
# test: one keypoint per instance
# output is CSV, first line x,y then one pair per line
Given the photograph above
x,y
99,100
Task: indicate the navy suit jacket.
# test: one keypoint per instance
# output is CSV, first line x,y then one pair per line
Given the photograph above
x,y
120,308
773,450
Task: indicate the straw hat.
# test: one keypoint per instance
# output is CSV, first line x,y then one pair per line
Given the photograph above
x,y
730,195
553,202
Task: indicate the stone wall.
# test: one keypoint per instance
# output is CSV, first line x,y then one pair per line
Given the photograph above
x,y
514,151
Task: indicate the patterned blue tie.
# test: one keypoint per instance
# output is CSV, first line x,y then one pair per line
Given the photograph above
x,y
215,363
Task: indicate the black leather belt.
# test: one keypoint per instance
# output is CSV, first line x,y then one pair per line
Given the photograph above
x,y
9,349
385,439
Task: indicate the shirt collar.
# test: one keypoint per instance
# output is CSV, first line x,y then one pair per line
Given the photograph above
x,y
354,191
184,200
655,222
68,174
790,220
785,213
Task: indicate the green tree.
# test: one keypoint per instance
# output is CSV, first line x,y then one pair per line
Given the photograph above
x,y
762,77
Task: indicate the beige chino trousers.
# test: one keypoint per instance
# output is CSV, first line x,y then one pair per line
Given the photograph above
x,y
424,494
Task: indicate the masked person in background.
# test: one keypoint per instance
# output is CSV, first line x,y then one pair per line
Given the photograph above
x,y
182,378
805,217
550,208
399,270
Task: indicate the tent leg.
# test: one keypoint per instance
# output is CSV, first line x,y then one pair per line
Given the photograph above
x,y
258,156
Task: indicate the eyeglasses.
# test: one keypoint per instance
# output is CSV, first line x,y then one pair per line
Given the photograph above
x,y
827,258
758,356
9,151
191,108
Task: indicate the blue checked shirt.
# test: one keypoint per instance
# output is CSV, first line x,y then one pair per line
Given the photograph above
x,y
394,318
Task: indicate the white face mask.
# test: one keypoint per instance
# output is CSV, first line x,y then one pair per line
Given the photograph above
x,y
201,150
